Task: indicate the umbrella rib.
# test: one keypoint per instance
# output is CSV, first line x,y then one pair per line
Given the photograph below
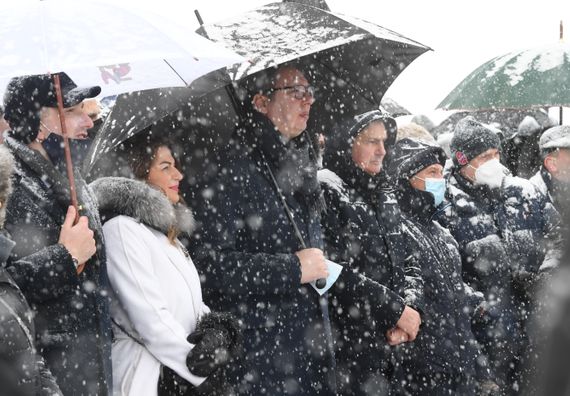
x,y
175,72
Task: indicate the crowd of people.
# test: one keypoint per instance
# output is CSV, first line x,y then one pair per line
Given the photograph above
x,y
133,292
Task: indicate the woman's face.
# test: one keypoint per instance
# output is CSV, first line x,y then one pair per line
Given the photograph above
x,y
164,175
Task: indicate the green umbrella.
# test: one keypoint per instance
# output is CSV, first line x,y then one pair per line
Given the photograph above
x,y
538,77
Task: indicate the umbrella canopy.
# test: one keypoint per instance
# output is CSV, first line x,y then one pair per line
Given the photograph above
x,y
96,47
393,107
531,78
103,44
350,61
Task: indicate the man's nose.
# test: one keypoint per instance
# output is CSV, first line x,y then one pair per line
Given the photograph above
x,y
381,150
87,121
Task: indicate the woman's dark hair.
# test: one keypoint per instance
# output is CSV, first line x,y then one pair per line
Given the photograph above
x,y
141,150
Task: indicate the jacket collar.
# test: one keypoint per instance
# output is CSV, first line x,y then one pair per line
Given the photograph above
x,y
137,199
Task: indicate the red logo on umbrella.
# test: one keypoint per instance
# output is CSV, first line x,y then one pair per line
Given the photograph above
x,y
461,158
116,73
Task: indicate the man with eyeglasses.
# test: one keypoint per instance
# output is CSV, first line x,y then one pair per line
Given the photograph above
x,y
248,245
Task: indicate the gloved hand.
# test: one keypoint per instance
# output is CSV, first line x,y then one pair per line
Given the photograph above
x,y
216,340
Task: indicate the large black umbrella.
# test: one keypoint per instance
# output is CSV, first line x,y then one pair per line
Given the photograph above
x,y
351,62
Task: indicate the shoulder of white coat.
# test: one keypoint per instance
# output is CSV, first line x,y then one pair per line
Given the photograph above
x,y
125,225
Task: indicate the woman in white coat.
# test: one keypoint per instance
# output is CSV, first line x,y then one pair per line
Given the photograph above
x,y
157,299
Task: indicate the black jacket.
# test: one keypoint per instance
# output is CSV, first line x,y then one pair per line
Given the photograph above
x,y
510,229
22,370
72,317
445,342
244,248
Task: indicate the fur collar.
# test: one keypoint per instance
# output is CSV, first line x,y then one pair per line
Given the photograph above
x,y
137,199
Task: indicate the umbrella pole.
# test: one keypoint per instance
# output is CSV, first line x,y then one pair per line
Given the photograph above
x,y
230,90
68,162
561,39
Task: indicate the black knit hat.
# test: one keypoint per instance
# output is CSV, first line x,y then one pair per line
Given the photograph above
x,y
410,156
25,96
471,138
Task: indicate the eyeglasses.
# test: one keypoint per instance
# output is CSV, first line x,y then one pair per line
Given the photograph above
x,y
299,91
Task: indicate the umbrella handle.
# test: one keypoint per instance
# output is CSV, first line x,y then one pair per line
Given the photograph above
x,y
66,149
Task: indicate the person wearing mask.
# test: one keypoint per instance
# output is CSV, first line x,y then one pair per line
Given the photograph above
x,y
362,228
502,225
58,263
445,359
158,314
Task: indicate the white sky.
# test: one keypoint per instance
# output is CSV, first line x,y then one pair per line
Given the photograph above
x,y
463,34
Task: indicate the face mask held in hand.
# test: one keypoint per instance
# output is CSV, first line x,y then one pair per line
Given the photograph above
x,y
491,174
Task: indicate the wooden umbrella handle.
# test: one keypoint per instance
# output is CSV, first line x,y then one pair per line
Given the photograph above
x,y
66,149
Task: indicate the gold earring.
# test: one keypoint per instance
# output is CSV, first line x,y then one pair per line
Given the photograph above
x,y
39,139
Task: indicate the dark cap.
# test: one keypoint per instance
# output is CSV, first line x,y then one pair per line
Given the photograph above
x,y
410,156
25,96
471,138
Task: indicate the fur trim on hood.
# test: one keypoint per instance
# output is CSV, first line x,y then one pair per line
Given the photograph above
x,y
137,199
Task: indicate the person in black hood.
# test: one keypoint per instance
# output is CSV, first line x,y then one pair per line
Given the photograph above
x,y
361,228
445,359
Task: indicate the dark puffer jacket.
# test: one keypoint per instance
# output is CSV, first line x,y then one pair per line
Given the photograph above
x,y
22,370
503,233
446,343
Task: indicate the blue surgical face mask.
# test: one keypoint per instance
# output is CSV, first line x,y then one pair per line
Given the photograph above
x,y
437,188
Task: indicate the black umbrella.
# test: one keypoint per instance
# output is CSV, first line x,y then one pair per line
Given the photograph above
x,y
351,62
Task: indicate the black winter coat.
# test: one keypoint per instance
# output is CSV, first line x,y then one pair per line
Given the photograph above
x,y
72,317
364,230
445,343
22,370
503,233
244,249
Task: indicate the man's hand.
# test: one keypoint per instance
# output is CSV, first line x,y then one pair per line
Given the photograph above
x,y
410,322
313,264
396,336
77,238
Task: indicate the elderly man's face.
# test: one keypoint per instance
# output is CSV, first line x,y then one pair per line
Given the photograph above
x,y
558,164
368,150
77,122
286,112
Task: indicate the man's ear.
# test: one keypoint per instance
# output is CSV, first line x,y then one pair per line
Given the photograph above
x,y
550,164
260,103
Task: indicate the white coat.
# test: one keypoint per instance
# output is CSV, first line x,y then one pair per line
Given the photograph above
x,y
156,299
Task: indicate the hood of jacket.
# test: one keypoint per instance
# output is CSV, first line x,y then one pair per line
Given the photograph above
x,y
134,198
338,151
